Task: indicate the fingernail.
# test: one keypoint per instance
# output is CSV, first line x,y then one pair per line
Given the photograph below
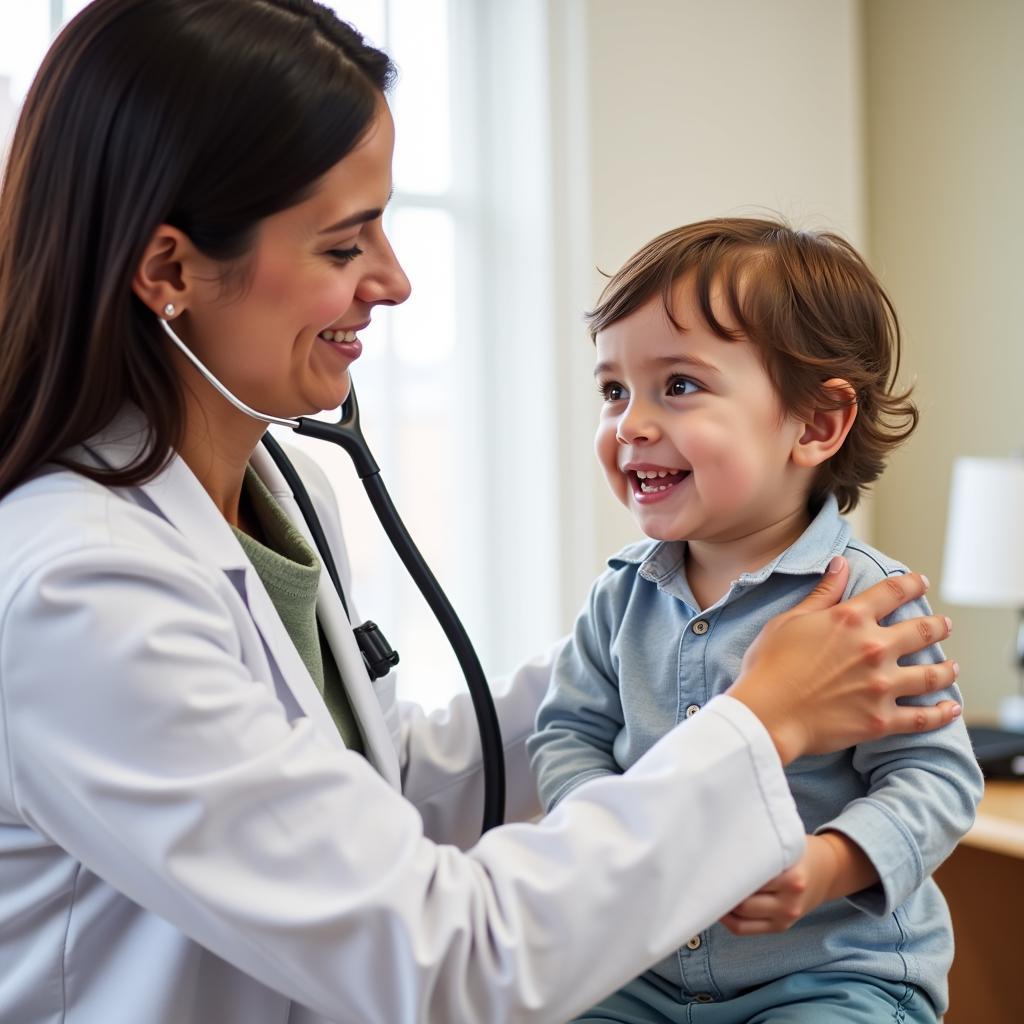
x,y
957,711
949,623
956,670
835,565
927,582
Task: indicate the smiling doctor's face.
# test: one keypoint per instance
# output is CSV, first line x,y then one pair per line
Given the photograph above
x,y
284,338
692,437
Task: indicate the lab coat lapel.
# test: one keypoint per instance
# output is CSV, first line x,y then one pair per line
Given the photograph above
x,y
289,662
379,747
181,499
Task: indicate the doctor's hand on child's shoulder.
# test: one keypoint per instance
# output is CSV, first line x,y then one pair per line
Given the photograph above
x,y
831,867
841,668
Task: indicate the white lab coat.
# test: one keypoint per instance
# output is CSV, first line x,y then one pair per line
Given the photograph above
x,y
184,838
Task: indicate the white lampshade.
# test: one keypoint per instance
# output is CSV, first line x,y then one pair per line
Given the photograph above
x,y
984,563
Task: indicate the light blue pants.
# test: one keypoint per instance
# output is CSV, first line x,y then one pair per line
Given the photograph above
x,y
808,998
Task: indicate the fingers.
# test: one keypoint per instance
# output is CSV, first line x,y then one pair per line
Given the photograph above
x,y
745,926
887,595
916,634
917,680
829,590
922,719
759,907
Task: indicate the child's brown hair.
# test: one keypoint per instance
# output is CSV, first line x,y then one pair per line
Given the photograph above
x,y
813,308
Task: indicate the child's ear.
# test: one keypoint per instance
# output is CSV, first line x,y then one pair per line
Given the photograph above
x,y
826,430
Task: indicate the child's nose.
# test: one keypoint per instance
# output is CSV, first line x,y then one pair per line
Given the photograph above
x,y
635,427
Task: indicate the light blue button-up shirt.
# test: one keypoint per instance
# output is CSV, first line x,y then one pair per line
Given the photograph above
x,y
644,657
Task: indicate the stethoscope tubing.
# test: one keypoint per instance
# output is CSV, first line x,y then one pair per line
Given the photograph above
x,y
347,433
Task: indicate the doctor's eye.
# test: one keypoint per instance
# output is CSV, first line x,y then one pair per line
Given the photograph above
x,y
682,386
611,391
343,256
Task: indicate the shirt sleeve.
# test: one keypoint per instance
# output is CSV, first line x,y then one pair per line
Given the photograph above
x,y
581,716
136,739
923,790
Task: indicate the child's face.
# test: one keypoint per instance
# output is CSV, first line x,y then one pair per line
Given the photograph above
x,y
702,411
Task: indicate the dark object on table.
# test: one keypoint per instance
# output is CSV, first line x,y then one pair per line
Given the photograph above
x,y
1000,752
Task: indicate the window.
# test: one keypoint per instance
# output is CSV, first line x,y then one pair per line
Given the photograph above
x,y
457,386
411,379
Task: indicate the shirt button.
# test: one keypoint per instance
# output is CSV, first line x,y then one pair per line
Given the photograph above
x,y
700,627
692,710
705,997
694,943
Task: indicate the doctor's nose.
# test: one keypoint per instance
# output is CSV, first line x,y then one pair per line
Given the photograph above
x,y
384,283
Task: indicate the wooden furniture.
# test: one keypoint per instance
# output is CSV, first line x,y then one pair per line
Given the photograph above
x,y
983,882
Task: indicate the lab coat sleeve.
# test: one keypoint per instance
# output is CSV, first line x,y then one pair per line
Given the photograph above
x,y
441,758
923,789
136,740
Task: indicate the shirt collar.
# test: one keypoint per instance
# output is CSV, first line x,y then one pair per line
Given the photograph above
x,y
809,555
827,535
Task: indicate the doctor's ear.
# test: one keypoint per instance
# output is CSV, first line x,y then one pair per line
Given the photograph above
x,y
826,429
167,272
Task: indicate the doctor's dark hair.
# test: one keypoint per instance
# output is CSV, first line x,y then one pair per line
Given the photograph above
x,y
813,309
209,115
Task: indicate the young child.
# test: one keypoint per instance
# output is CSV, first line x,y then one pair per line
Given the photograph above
x,y
747,373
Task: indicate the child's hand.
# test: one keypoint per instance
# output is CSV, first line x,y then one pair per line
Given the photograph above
x,y
831,867
787,897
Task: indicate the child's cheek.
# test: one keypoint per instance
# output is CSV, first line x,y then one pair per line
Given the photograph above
x,y
729,475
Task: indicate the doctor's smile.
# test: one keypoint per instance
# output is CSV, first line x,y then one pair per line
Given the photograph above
x,y
214,807
345,342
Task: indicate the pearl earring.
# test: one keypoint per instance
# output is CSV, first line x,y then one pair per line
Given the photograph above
x,y
169,309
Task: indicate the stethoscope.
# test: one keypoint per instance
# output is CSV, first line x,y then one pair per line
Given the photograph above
x,y
377,653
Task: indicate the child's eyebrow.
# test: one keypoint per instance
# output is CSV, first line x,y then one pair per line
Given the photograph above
x,y
695,362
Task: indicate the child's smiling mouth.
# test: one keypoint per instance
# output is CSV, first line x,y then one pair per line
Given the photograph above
x,y
650,485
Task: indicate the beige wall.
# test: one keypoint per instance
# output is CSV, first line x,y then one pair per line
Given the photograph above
x,y
945,145
667,111
899,124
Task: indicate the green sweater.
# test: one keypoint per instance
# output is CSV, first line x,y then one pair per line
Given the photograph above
x,y
290,571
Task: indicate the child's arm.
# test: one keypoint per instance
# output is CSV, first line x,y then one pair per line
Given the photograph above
x,y
922,793
582,714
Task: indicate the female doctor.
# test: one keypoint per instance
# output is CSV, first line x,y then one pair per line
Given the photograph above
x,y
207,813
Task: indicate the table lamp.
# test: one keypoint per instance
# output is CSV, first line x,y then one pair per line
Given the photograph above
x,y
984,559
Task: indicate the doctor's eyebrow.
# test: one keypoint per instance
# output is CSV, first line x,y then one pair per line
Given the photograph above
x,y
357,218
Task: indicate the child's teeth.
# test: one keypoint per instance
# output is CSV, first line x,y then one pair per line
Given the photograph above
x,y
648,476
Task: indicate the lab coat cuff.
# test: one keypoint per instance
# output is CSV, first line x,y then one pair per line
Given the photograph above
x,y
768,772
889,846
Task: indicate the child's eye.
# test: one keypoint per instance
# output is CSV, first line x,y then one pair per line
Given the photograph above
x,y
682,386
343,256
612,391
